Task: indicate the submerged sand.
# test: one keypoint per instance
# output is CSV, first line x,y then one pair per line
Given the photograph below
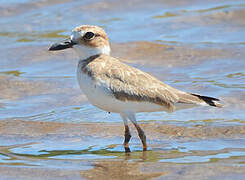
x,y
136,165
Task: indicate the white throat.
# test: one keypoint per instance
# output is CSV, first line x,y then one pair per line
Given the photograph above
x,y
85,52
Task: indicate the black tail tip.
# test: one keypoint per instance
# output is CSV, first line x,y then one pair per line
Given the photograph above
x,y
209,100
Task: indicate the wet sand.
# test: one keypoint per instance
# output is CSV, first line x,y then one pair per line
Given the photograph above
x,y
135,165
154,130
48,129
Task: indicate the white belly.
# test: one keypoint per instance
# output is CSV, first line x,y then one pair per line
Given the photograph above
x,y
99,94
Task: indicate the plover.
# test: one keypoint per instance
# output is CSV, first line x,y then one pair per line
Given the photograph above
x,y
116,87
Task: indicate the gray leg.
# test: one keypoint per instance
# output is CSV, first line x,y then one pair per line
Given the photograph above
x,y
127,134
141,133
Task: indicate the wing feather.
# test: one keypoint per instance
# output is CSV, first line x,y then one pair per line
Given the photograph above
x,y
130,84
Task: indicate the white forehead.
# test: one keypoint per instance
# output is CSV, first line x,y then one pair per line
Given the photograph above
x,y
77,34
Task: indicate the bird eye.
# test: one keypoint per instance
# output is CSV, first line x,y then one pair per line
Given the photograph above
x,y
89,36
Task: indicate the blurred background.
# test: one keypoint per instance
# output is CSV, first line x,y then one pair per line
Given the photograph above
x,y
193,45
196,46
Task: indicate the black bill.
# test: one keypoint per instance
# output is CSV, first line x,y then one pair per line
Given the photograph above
x,y
67,43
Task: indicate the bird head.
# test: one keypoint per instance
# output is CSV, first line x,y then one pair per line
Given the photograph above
x,y
86,40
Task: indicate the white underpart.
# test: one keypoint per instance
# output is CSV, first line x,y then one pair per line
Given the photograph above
x,y
85,52
100,95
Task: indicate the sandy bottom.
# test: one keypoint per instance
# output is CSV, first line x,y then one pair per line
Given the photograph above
x,y
174,151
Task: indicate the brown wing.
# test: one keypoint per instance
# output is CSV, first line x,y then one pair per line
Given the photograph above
x,y
130,84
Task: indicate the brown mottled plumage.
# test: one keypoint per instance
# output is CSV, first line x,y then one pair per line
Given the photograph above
x,y
130,84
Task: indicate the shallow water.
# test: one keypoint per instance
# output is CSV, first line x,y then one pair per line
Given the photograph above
x,y
195,46
32,154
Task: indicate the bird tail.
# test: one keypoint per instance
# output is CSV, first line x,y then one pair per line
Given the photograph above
x,y
199,99
209,100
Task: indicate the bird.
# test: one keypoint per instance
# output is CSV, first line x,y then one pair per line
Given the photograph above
x,y
114,86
